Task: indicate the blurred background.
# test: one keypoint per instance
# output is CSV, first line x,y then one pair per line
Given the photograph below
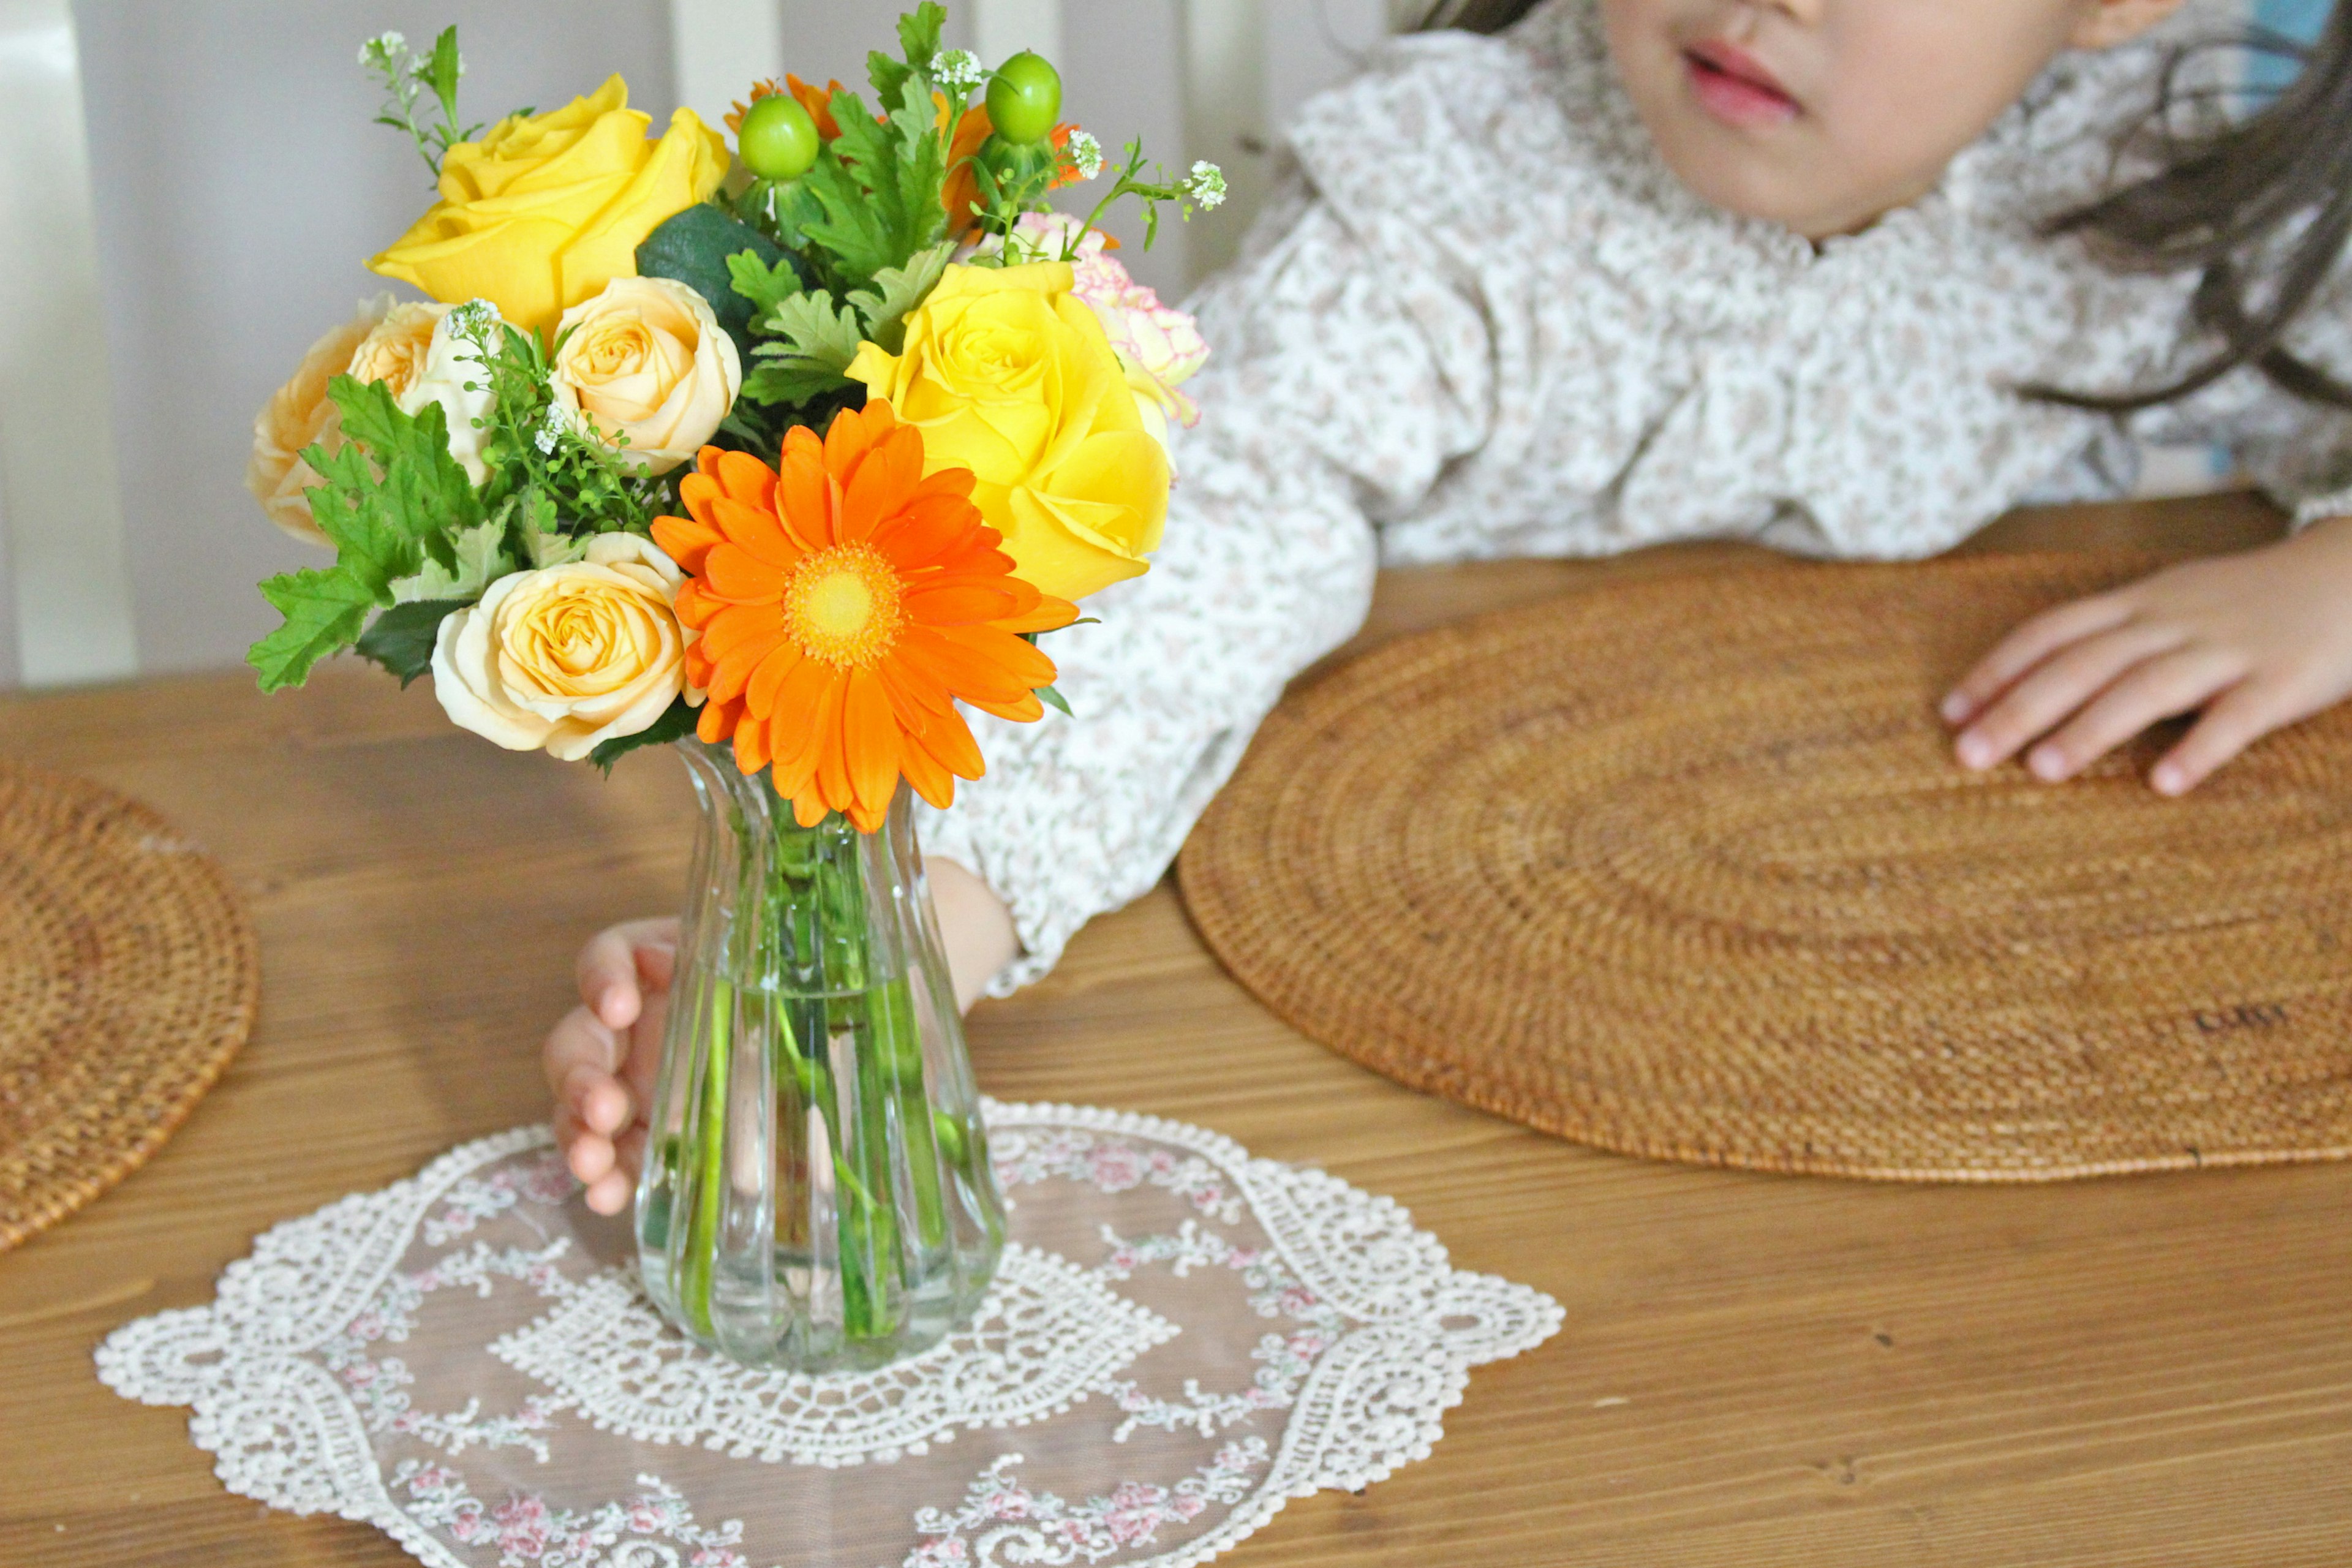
x,y
188,189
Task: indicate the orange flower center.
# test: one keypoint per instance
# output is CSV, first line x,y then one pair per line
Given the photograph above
x,y
843,606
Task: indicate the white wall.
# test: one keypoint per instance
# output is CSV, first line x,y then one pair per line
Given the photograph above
x,y
240,186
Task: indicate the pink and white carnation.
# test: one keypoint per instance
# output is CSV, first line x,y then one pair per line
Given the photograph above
x,y
1159,346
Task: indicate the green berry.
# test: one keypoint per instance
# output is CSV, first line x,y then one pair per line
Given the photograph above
x,y
1024,98
778,140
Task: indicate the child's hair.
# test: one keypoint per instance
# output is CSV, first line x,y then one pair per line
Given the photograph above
x,y
2263,204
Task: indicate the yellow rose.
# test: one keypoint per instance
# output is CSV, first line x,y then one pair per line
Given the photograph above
x,y
298,415
645,359
1008,374
567,657
548,208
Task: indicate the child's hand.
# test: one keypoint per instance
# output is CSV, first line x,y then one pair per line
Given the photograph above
x,y
601,1059
2258,641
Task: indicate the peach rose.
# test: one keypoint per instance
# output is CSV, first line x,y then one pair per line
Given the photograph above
x,y
645,360
299,414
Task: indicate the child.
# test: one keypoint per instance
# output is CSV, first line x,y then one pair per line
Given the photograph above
x,y
1849,277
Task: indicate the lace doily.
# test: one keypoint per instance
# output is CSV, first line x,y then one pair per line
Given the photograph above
x,y
1182,1338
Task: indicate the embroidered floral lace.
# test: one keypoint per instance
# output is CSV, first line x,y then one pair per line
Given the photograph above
x,y
1182,1338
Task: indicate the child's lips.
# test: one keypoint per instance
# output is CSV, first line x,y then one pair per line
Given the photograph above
x,y
1735,88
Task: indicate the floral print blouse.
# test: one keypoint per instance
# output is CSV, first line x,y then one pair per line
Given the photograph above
x,y
1484,320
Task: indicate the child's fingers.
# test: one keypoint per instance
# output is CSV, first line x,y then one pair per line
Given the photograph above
x,y
2162,688
608,1194
2054,689
2242,715
580,1040
608,978
2029,645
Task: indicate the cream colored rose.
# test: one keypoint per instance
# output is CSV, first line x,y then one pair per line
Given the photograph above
x,y
567,657
449,372
299,414
645,360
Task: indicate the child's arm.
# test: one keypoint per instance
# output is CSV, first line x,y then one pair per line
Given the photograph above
x,y
600,1060
2256,641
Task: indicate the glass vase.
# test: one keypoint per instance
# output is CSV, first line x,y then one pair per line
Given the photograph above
x,y
816,1190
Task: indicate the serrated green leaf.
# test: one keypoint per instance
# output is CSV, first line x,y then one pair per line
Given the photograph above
x,y
764,286
817,338
698,247
402,638
677,723
919,30
897,290
324,611
479,559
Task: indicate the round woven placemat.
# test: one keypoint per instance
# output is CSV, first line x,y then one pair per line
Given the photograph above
x,y
129,975
1686,869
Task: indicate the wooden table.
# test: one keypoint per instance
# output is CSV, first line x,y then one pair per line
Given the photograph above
x,y
1756,1370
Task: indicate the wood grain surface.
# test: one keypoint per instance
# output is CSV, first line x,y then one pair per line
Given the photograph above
x,y
1755,1370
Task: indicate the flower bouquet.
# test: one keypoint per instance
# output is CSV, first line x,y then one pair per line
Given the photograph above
x,y
787,455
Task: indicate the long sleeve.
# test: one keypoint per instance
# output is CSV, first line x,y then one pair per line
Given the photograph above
x,y
2298,450
1324,408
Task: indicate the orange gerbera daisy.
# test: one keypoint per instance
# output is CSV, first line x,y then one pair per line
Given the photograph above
x,y
846,605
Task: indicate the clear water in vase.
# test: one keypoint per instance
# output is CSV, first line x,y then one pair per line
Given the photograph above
x,y
816,1189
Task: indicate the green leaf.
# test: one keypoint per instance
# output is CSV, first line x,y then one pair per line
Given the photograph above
x,y
402,638
324,611
677,723
441,72
819,339
918,32
1054,699
898,289
855,181
479,559
764,286
698,247
540,542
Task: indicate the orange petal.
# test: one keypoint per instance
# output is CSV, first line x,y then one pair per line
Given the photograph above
x,y
685,540
911,694
718,721
854,432
949,740
1050,615
805,492
870,735
735,667
1001,649
751,745
809,809
1027,709
932,781
760,692
959,602
833,757
734,573
745,479
888,473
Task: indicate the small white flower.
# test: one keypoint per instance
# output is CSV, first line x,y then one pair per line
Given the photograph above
x,y
381,49
552,426
1085,154
958,70
1207,185
474,319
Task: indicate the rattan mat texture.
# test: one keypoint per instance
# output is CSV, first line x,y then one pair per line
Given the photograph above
x,y
129,975
1685,868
